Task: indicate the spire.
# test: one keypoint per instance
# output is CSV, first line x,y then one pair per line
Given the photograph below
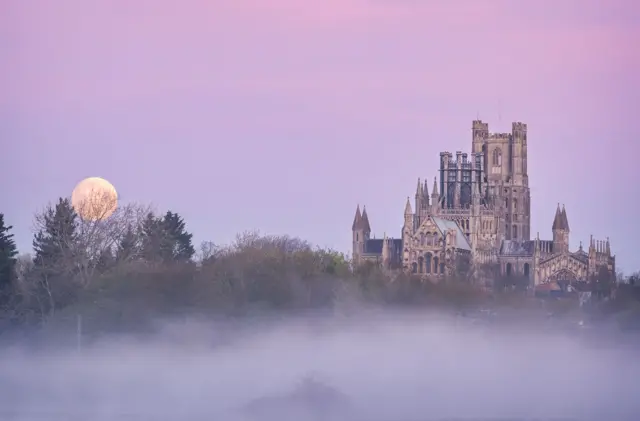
x,y
357,220
434,191
425,189
565,221
557,220
407,208
419,189
385,249
365,220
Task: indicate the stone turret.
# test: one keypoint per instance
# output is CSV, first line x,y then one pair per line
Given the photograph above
x,y
385,252
561,231
435,198
361,230
408,217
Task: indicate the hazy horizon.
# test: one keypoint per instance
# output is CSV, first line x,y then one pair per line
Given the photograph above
x,y
284,115
391,365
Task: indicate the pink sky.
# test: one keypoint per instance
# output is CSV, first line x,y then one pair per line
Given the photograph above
x,y
289,113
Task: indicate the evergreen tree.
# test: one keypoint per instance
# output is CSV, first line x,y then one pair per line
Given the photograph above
x,y
127,246
105,261
180,247
166,239
54,244
8,252
55,260
151,235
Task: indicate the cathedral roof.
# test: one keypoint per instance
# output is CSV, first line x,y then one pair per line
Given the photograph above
x,y
565,220
560,221
581,256
357,219
365,220
517,248
444,225
374,245
361,220
557,220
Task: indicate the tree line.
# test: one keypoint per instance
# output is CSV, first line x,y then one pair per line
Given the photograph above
x,y
123,271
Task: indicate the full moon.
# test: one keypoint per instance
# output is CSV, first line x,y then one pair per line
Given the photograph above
x,y
94,199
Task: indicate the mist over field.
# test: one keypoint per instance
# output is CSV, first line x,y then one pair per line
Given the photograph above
x,y
385,365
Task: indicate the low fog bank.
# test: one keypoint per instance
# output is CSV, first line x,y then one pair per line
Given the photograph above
x,y
389,365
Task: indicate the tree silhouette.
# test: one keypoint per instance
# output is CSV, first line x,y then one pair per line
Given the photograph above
x,y
128,246
55,247
178,245
8,253
165,239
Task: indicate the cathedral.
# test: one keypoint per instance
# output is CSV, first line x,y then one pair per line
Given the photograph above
x,y
480,208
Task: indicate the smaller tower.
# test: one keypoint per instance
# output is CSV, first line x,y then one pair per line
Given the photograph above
x,y
479,135
407,229
425,196
419,202
385,252
358,236
435,198
366,227
361,230
408,218
561,231
592,256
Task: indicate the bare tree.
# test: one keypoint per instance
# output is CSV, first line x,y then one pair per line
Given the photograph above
x,y
13,304
24,264
101,227
74,244
209,251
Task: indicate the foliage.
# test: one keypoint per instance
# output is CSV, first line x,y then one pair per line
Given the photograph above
x,y
55,240
165,239
128,247
55,245
124,271
8,253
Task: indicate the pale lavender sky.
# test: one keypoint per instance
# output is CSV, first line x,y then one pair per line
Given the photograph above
x,y
282,115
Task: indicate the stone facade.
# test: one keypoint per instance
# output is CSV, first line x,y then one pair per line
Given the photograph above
x,y
480,207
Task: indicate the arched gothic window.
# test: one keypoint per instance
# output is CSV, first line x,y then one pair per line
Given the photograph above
x,y
497,157
515,232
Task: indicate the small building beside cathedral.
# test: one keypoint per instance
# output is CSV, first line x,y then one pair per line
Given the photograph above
x,y
480,208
